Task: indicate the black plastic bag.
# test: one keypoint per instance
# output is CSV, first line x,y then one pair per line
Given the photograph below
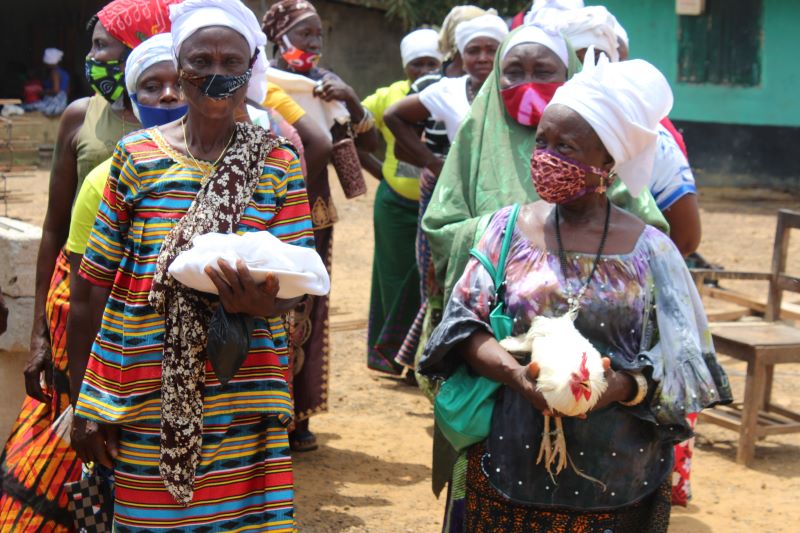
x,y
228,342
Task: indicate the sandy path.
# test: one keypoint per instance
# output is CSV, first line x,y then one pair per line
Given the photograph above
x,y
372,471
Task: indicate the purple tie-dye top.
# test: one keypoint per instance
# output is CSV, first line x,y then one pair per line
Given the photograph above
x,y
642,310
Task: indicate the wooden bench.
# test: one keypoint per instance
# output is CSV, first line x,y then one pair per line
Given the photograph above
x,y
762,344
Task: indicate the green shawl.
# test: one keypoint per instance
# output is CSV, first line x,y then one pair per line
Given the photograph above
x,y
488,168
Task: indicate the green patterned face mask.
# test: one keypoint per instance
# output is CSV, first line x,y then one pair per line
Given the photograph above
x,y
106,78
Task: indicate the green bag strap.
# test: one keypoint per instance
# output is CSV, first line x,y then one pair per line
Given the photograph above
x,y
501,261
486,262
498,273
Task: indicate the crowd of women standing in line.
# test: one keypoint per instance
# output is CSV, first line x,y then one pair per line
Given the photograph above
x,y
484,119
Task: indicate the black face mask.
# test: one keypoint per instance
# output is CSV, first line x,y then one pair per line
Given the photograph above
x,y
218,86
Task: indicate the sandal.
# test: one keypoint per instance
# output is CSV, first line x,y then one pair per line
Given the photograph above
x,y
302,440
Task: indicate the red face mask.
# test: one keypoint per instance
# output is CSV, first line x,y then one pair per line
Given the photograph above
x,y
526,102
297,59
560,180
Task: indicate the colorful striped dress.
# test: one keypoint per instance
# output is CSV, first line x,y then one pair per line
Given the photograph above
x,y
244,479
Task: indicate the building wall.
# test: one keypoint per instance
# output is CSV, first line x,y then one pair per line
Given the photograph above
x,y
31,26
360,44
653,29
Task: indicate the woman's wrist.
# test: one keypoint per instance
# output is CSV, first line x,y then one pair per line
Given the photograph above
x,y
627,388
634,389
516,377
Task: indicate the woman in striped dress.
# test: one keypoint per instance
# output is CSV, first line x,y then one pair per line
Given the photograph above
x,y
187,451
36,461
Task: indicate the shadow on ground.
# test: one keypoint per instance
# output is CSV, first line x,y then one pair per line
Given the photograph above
x,y
323,506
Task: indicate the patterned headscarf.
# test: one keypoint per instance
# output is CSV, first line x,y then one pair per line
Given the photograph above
x,y
134,21
284,15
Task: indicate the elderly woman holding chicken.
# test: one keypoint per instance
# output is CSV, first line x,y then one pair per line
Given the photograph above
x,y
575,256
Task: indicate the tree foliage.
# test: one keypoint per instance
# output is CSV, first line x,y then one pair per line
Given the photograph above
x,y
414,13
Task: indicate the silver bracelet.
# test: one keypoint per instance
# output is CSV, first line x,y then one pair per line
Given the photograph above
x,y
641,389
366,123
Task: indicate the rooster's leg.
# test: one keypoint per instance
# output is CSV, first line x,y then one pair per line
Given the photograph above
x,y
560,448
544,449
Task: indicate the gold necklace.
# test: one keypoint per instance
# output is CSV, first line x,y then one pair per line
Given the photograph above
x,y
206,174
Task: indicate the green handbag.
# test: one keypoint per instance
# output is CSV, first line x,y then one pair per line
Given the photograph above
x,y
463,407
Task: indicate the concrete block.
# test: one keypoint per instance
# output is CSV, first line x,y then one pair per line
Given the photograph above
x,y
20,320
12,384
19,246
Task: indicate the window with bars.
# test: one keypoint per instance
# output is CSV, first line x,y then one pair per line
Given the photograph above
x,y
723,45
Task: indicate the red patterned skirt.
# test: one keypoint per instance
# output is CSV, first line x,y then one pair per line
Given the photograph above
x,y
36,460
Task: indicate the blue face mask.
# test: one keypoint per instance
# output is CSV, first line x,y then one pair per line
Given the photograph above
x,y
151,116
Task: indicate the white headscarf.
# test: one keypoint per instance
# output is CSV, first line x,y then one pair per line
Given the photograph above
x,y
52,56
154,50
549,11
592,25
192,15
535,34
490,26
624,103
420,43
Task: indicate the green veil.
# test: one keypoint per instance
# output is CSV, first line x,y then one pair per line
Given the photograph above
x,y
488,168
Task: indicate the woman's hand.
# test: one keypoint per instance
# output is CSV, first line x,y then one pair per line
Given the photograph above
x,y
621,386
331,87
436,166
524,382
95,442
239,293
40,361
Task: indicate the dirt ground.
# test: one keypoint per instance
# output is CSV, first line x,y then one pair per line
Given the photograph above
x,y
372,471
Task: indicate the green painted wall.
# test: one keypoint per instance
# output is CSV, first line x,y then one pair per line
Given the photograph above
x,y
653,29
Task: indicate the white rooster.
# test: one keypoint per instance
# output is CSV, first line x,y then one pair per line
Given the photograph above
x,y
570,377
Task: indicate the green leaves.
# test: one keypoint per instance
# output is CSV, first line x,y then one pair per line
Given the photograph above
x,y
414,13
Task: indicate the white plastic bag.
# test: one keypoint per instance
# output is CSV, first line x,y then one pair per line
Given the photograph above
x,y
299,270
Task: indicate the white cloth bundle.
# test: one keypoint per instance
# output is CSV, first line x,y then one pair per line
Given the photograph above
x,y
301,89
420,43
490,26
589,26
192,15
299,270
550,11
624,103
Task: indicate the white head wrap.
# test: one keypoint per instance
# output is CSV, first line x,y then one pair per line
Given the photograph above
x,y
52,56
490,26
420,43
592,25
154,50
548,37
624,103
550,10
192,15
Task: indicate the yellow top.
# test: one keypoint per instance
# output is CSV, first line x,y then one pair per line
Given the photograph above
x,y
281,102
84,210
401,177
